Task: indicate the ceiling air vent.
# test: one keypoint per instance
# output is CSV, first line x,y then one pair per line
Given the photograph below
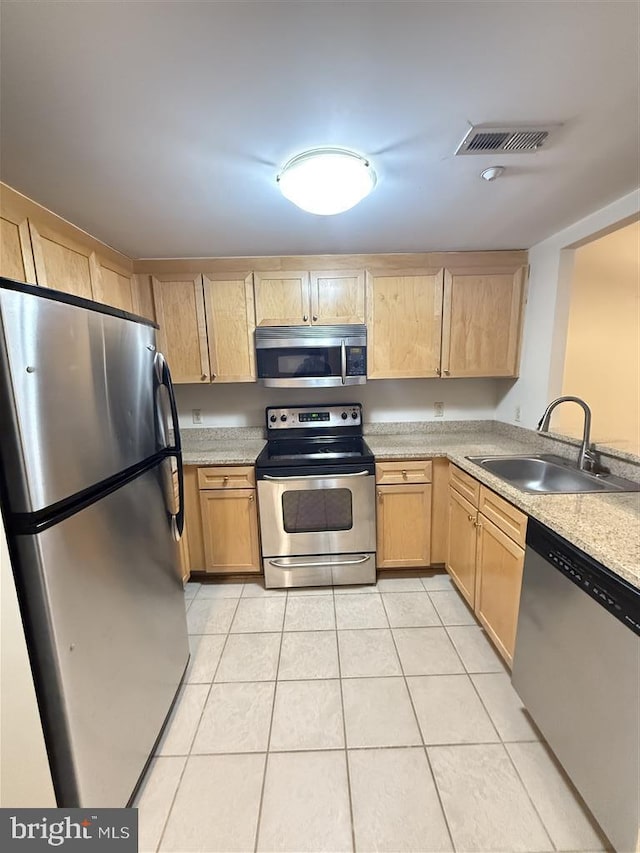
x,y
494,139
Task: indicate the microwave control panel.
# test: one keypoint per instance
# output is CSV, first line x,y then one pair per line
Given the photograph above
x,y
316,417
356,361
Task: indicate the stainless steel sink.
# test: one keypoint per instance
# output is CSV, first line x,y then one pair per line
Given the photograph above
x,y
551,475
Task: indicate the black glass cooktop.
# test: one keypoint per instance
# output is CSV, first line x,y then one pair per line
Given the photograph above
x,y
311,451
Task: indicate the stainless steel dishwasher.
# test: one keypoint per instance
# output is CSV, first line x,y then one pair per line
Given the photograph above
x,y
577,670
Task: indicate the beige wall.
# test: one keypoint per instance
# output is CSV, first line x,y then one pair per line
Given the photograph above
x,y
25,779
602,361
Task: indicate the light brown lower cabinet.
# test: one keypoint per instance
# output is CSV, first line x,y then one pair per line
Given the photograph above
x,y
461,555
184,556
403,514
485,556
499,579
229,521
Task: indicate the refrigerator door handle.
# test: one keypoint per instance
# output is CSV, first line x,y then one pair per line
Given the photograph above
x,y
165,379
178,518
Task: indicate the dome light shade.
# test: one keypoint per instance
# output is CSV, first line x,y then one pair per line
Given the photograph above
x,y
326,181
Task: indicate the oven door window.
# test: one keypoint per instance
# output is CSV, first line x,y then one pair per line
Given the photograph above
x,y
317,510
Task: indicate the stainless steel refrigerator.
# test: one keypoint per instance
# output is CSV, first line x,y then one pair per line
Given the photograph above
x,y
87,494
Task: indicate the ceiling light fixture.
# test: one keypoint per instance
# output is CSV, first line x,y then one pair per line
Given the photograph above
x,y
492,173
327,181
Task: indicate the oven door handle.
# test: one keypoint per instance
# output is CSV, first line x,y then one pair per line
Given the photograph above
x,y
280,565
318,476
343,361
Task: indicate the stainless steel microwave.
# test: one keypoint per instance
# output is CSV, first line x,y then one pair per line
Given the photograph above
x,y
311,356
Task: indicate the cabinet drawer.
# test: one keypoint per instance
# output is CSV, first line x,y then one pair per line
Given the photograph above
x,y
227,477
405,471
464,484
506,517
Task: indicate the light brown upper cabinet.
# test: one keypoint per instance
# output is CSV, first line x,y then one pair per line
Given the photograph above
x,y
337,297
230,312
206,326
481,321
112,284
282,298
404,323
117,286
16,256
302,298
63,263
182,337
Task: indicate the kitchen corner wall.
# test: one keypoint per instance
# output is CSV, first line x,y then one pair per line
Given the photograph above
x,y
547,313
382,399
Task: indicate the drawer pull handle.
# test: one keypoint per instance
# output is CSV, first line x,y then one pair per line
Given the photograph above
x,y
404,473
471,518
204,377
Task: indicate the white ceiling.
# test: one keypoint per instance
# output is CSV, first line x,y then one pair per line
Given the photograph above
x,y
159,127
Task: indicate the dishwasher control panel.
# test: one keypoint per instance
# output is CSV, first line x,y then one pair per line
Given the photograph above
x,y
610,591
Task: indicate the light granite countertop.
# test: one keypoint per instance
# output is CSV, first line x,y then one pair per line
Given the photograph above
x,y
605,526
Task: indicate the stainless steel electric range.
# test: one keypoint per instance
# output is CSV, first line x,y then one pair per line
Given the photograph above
x,y
316,491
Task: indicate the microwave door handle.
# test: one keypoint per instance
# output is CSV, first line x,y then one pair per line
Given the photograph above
x,y
319,476
343,361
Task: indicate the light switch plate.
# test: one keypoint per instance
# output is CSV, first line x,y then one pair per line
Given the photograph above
x,y
196,416
438,410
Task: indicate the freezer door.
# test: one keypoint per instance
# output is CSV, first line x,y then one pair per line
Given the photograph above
x,y
77,398
104,609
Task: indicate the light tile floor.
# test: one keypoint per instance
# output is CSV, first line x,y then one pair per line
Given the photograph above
x,y
355,719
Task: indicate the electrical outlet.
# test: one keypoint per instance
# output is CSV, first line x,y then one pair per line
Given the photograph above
x,y
438,410
517,414
196,416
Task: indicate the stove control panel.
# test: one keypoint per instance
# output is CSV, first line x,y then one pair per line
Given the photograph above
x,y
314,417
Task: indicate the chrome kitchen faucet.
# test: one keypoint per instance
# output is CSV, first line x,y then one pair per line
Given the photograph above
x,y
586,457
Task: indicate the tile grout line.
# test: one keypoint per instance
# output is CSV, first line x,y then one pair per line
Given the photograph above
x,y
501,741
273,709
195,731
529,797
344,730
341,749
424,746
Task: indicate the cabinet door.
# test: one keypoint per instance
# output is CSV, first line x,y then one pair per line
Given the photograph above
x,y
112,284
481,322
403,526
404,324
230,528
461,548
282,298
182,337
16,256
499,579
183,544
142,296
337,297
63,264
193,519
231,322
